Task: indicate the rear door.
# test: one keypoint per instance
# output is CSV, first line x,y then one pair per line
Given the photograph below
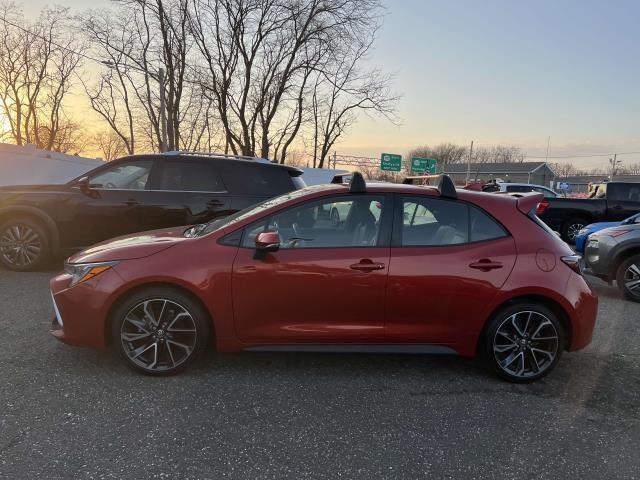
x,y
185,191
326,284
448,260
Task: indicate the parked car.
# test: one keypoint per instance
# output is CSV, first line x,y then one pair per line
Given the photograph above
x,y
507,187
583,234
619,200
129,195
613,254
440,271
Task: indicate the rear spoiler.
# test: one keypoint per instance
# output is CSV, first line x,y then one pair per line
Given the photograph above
x,y
528,201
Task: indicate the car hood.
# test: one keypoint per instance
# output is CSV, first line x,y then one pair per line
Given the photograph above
x,y
139,245
594,227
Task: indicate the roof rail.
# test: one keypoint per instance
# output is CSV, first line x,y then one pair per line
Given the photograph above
x,y
213,154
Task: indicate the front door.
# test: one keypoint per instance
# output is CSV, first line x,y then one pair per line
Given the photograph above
x,y
448,261
109,208
327,282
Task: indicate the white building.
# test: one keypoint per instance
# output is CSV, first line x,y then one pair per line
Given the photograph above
x,y
28,166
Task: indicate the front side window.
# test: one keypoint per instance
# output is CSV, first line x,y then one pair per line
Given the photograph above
x,y
434,222
125,176
341,222
186,176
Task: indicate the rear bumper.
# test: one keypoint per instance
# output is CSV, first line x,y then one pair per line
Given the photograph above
x,y
584,314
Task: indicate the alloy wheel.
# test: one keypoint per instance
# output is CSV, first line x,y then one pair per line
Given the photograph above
x,y
20,245
572,231
632,279
525,344
158,335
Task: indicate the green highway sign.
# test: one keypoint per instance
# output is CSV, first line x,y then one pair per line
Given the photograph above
x,y
391,162
423,165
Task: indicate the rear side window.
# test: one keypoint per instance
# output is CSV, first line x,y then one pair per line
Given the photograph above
x,y
244,178
189,176
433,222
518,188
483,227
623,192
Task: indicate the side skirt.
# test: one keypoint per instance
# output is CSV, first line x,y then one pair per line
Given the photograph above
x,y
356,348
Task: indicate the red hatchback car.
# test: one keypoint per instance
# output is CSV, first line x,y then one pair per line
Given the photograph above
x,y
408,269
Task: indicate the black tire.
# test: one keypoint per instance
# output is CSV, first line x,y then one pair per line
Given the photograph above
x,y
170,335
627,273
571,227
506,353
24,245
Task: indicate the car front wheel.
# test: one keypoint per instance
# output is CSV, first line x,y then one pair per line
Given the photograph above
x,y
524,342
628,278
160,331
571,229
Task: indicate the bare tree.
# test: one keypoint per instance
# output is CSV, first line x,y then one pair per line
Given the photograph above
x,y
38,61
110,145
563,169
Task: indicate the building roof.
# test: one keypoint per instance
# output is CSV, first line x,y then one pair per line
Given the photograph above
x,y
495,168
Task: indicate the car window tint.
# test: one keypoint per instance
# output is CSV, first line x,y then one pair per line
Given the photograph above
x,y
518,188
125,176
432,222
547,193
353,222
245,178
186,176
483,227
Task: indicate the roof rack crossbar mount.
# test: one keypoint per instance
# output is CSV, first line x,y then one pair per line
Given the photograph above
x,y
446,187
357,184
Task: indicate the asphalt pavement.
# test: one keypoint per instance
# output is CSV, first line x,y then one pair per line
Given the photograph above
x,y
69,412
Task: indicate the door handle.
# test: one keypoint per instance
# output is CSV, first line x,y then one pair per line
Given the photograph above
x,y
131,202
367,266
485,265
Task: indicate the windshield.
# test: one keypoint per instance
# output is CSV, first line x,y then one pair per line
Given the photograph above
x,y
215,225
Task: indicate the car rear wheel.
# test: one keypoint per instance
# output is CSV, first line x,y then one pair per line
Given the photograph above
x,y
160,331
524,342
628,278
24,245
571,228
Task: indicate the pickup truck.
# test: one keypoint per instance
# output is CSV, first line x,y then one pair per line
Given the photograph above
x,y
612,201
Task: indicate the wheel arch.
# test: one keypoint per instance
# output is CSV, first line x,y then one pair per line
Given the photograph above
x,y
620,256
123,296
548,302
36,215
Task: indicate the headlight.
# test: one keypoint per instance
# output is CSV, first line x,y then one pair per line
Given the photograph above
x,y
81,272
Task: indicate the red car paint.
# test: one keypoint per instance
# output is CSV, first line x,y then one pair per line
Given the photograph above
x,y
438,296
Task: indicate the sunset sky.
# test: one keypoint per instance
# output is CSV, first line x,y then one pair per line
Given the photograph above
x,y
504,71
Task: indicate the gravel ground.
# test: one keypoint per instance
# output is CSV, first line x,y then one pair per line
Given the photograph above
x,y
70,412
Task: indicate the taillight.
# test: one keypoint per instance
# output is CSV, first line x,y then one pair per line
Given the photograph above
x,y
542,206
573,262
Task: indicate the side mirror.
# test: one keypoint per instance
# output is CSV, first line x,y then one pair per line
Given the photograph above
x,y
83,184
267,242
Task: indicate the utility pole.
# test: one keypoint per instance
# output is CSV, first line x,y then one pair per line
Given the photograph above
x,y
546,159
163,111
614,164
469,163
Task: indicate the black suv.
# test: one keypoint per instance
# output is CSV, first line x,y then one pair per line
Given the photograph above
x,y
132,194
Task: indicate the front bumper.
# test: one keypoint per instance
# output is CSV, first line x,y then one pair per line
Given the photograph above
x,y
81,311
596,254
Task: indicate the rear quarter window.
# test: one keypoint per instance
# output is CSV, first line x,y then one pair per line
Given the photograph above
x,y
256,180
483,227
